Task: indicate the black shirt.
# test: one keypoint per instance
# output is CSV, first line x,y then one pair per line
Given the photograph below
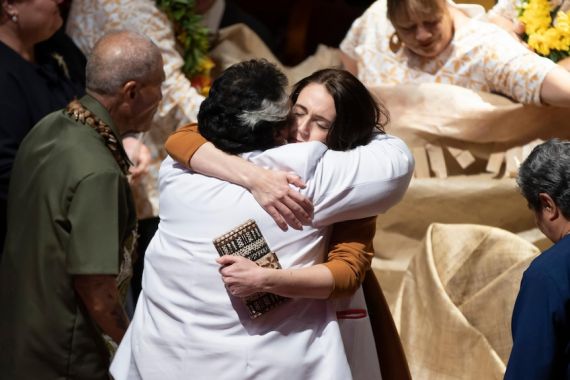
x,y
30,91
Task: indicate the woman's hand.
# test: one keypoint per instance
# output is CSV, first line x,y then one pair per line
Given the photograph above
x,y
241,276
271,190
139,154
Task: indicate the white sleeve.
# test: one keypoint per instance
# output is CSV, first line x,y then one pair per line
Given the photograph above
x,y
345,185
511,69
372,25
362,182
505,8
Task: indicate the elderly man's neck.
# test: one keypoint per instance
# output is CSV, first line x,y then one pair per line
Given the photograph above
x,y
112,104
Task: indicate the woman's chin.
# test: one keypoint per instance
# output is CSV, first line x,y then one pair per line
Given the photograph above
x,y
428,53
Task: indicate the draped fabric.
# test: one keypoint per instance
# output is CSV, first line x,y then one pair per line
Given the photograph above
x,y
457,299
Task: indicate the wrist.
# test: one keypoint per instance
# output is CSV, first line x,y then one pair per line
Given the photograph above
x,y
249,176
267,279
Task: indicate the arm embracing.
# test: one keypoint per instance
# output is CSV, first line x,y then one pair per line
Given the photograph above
x,y
362,182
555,90
350,254
347,262
243,277
270,188
183,143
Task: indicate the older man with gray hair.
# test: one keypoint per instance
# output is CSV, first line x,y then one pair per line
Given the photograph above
x,y
72,222
541,317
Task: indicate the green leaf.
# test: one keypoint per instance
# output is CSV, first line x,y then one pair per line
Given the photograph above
x,y
191,35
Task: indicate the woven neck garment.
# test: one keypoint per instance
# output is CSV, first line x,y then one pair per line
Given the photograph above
x,y
76,111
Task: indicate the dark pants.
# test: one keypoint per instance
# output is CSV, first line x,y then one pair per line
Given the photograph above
x,y
3,224
146,230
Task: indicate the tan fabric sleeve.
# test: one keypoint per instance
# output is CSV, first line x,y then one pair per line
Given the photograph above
x,y
350,254
183,143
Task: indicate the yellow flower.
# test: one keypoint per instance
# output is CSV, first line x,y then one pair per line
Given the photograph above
x,y
539,44
536,16
562,23
206,65
544,35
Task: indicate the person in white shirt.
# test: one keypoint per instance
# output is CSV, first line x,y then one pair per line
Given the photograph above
x,y
436,41
186,322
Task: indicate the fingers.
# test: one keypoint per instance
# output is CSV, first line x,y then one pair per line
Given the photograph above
x,y
137,170
294,210
290,218
277,217
305,205
230,272
519,28
294,179
228,260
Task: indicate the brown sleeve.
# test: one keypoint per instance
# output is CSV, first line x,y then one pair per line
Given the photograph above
x,y
183,143
350,254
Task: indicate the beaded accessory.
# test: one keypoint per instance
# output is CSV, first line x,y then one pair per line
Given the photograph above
x,y
77,112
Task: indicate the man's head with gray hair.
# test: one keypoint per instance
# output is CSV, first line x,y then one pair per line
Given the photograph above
x,y
544,180
119,57
124,73
547,170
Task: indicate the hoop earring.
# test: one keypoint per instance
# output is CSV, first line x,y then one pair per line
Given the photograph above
x,y
395,42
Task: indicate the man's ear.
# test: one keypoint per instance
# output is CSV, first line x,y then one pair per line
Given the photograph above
x,y
129,91
549,208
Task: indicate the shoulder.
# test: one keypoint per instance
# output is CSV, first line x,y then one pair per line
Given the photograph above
x,y
373,24
376,11
483,34
61,48
78,146
554,258
552,267
386,155
301,158
13,69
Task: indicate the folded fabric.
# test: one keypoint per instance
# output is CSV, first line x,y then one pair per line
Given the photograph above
x,y
238,42
456,301
461,120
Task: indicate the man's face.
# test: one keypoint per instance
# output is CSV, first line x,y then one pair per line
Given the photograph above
x,y
147,99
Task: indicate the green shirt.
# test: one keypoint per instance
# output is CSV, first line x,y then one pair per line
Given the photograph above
x,y
70,211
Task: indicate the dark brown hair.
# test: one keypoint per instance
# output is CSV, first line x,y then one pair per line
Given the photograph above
x,y
358,113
